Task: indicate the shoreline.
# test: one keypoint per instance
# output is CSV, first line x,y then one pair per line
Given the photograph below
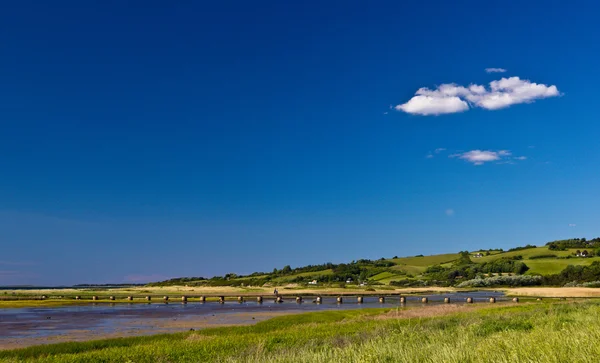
x,y
59,298
139,328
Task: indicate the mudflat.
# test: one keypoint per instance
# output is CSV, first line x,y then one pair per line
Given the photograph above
x,y
60,326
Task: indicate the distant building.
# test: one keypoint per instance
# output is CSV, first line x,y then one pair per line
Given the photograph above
x,y
313,282
478,254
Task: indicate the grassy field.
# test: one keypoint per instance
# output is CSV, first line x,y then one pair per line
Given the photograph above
x,y
549,266
527,253
532,332
415,266
418,265
426,260
542,266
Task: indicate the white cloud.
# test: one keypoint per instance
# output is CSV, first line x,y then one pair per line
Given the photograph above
x,y
572,225
480,157
449,212
439,150
428,105
495,70
429,156
453,98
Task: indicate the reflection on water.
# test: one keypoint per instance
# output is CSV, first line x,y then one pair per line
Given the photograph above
x,y
128,318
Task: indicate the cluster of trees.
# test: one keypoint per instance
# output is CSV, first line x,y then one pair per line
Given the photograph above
x,y
526,247
464,268
359,270
177,281
287,270
578,274
546,255
563,245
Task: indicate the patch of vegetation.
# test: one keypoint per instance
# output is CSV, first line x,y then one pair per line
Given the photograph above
x,y
563,245
577,274
548,255
464,268
526,247
537,332
517,280
436,270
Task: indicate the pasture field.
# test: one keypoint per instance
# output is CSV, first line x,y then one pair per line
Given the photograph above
x,y
425,261
548,266
526,253
542,266
565,331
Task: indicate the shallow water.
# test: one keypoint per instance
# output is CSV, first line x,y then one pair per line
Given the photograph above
x,y
30,326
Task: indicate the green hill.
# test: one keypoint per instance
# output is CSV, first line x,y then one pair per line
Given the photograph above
x,y
448,269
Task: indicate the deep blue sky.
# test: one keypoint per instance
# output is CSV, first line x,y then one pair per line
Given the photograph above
x,y
146,140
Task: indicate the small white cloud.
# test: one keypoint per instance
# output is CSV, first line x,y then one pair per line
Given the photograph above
x,y
449,212
572,225
480,157
439,150
495,70
531,147
453,98
429,156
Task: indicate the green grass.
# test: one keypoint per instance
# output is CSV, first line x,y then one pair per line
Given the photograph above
x,y
418,265
544,266
285,279
315,273
426,260
413,270
549,266
525,253
384,275
536,332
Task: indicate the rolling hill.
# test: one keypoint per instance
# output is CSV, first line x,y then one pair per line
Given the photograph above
x,y
547,260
